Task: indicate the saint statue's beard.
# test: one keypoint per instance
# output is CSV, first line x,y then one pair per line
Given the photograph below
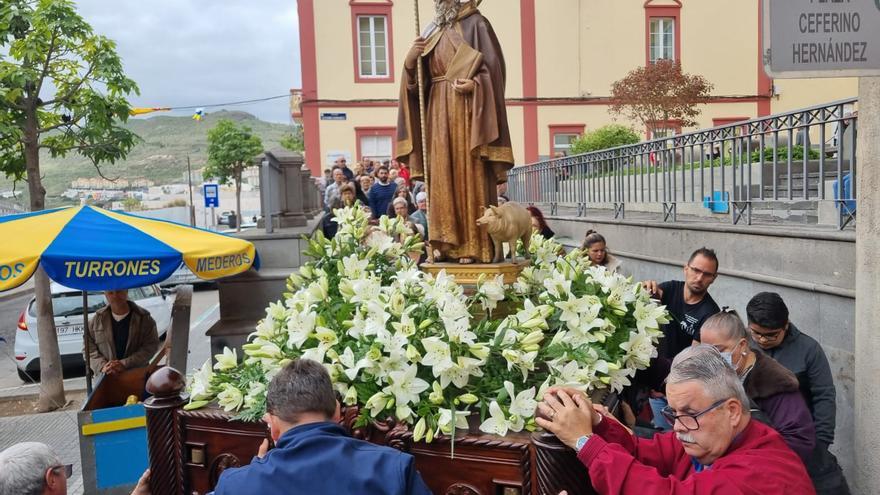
x,y
446,11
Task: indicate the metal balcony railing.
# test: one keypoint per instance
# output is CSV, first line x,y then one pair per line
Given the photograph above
x,y
801,157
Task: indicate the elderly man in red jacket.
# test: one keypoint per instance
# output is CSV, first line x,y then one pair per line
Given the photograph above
x,y
715,447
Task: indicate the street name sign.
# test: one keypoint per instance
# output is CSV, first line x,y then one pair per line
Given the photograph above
x,y
821,38
212,195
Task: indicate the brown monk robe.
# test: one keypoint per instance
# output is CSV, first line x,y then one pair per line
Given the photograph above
x,y
469,150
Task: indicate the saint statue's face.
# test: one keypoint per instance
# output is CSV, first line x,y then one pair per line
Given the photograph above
x,y
446,11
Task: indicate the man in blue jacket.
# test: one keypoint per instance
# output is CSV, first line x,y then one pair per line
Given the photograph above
x,y
312,453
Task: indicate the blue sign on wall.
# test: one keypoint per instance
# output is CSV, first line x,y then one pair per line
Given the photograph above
x,y
212,195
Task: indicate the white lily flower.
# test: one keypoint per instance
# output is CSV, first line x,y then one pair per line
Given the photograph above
x,y
640,349
230,398
256,392
354,267
497,423
200,384
445,421
460,372
406,386
650,316
522,404
437,354
226,361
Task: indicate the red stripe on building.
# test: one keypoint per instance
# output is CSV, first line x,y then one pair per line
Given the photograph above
x,y
530,79
309,66
765,84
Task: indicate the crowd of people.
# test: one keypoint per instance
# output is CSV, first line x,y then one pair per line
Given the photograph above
x,y
727,406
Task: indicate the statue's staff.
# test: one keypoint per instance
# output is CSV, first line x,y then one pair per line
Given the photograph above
x,y
420,81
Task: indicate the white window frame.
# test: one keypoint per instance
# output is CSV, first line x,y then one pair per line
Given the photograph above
x,y
657,29
559,148
370,147
374,73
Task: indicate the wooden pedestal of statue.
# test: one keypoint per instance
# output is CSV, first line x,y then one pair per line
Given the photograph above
x,y
189,450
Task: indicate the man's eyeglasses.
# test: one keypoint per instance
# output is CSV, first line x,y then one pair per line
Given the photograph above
x,y
766,337
689,421
67,469
702,273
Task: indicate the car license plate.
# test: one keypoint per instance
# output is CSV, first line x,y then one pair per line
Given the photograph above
x,y
70,330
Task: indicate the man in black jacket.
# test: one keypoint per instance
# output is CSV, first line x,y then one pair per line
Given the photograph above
x,y
803,356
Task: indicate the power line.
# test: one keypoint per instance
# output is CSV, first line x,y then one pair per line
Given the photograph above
x,y
231,103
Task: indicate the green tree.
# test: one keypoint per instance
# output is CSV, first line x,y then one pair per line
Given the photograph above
x,y
659,92
132,204
231,149
62,90
609,136
294,139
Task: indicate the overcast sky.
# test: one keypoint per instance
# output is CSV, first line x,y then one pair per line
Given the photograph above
x,y
202,52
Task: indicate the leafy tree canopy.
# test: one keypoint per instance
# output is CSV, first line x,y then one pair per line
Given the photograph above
x,y
231,147
660,92
62,87
609,136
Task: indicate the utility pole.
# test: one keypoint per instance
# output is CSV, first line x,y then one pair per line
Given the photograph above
x,y
192,206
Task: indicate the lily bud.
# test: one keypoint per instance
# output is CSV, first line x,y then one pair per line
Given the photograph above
x,y
429,436
419,430
468,398
533,338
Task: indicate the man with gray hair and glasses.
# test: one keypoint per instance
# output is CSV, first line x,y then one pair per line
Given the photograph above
x,y
715,446
33,468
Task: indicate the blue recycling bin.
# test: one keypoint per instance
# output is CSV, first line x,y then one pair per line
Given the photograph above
x,y
717,202
847,194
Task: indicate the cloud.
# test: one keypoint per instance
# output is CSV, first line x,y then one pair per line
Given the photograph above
x,y
201,52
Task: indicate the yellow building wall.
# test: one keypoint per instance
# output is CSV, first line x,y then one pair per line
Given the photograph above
x,y
719,41
800,93
582,47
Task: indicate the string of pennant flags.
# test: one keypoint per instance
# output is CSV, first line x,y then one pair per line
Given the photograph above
x,y
199,110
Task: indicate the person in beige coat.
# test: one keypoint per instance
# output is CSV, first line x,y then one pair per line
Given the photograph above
x,y
596,249
122,335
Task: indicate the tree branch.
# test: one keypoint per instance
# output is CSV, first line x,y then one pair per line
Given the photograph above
x,y
48,60
74,90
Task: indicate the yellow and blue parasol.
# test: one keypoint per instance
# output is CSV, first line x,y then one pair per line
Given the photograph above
x,y
90,248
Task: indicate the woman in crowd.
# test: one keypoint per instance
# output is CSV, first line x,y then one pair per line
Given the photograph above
x,y
595,247
772,389
362,185
347,197
402,192
539,225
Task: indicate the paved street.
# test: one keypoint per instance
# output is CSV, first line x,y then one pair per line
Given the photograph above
x,y
204,305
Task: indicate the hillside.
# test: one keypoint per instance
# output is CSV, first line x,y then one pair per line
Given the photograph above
x,y
160,157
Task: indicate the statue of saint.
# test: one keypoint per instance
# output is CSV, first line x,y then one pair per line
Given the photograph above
x,y
468,138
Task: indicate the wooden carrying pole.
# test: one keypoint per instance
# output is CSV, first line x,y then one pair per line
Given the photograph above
x,y
425,165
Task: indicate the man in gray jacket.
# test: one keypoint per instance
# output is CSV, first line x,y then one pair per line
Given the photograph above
x,y
803,356
122,335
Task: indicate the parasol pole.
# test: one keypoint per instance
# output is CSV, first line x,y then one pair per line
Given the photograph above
x,y
425,165
88,352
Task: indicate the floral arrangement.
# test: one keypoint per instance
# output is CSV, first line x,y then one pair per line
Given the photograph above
x,y
406,345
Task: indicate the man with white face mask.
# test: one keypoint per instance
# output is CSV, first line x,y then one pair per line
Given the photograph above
x,y
715,446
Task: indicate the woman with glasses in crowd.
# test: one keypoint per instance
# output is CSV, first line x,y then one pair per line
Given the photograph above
x,y
772,389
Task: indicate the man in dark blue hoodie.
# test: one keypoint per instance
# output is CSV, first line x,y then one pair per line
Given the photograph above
x,y
312,453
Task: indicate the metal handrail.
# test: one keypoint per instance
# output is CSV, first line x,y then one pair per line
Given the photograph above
x,y
786,158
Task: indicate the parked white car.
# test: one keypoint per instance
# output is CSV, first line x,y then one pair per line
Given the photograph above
x,y
67,308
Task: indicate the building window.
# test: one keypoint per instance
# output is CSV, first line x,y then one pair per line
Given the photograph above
x,y
375,143
662,31
561,137
372,41
662,44
373,46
